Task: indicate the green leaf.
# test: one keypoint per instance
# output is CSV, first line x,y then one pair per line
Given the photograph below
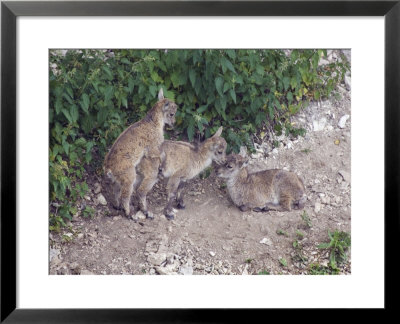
x,y
233,95
226,64
74,113
192,77
85,103
218,85
67,115
289,97
153,91
286,82
190,131
324,245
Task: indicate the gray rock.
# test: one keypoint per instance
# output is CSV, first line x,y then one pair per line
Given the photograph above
x,y
345,175
342,121
101,200
317,207
156,258
319,125
97,188
140,215
266,241
347,82
186,270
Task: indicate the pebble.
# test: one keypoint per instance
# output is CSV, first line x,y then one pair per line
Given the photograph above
x,y
346,175
342,121
212,253
266,241
156,258
319,125
101,200
97,188
317,207
186,270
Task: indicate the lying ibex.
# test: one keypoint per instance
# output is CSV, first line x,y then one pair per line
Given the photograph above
x,y
181,161
142,139
263,190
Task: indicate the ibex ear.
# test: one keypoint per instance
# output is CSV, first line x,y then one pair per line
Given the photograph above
x,y
218,132
243,151
161,94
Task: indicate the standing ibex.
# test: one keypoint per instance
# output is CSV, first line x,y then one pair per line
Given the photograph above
x,y
263,190
142,139
181,161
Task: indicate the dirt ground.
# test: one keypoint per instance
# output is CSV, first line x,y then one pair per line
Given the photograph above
x,y
212,236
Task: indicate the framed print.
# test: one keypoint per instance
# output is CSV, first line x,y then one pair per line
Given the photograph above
x,y
203,66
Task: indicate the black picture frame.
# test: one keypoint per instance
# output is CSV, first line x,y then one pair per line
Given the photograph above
x,y
10,10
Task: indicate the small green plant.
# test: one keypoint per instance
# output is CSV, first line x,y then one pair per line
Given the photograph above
x,y
318,269
299,255
88,212
248,261
264,272
206,173
283,262
223,185
306,219
299,235
306,150
281,232
337,246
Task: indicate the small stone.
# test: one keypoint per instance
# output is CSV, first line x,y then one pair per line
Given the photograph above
x,y
342,121
347,82
346,175
86,273
156,258
319,125
186,270
212,253
140,215
97,188
266,241
317,207
101,200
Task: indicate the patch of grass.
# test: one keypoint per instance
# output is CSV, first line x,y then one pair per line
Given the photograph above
x,y
306,219
283,262
299,256
299,235
306,150
88,212
337,246
318,269
248,261
206,173
281,232
264,272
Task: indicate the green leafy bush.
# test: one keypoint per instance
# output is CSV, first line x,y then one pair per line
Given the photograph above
x,y
96,94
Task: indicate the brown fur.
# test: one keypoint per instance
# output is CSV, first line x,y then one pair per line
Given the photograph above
x,y
264,190
142,139
181,161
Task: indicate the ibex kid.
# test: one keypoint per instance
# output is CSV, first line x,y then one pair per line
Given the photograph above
x,y
181,161
142,139
263,190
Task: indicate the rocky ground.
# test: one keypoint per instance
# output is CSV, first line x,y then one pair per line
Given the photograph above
x,y
212,236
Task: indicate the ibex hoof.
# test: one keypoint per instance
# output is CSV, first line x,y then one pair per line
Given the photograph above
x,y
149,215
181,205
